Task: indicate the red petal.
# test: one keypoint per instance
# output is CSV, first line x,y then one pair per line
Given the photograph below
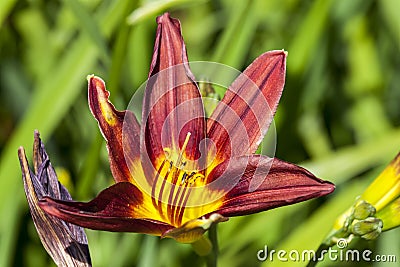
x,y
242,118
263,183
172,104
118,208
120,129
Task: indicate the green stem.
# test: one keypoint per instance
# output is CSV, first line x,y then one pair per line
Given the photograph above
x,y
211,259
202,247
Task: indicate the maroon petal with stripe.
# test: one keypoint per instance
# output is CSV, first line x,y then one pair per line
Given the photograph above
x,y
172,105
118,208
264,183
123,146
242,118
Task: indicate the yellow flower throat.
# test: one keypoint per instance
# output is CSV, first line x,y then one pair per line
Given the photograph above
x,y
172,187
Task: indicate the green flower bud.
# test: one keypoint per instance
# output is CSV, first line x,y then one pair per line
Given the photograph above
x,y
363,210
369,229
372,235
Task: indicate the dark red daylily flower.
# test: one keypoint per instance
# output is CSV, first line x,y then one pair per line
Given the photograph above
x,y
178,173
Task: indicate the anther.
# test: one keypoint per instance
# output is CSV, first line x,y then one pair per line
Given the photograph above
x,y
194,178
186,177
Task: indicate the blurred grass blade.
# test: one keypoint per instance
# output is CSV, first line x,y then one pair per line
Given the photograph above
x,y
5,7
89,168
148,252
118,58
307,36
139,51
236,27
90,26
155,8
390,12
351,161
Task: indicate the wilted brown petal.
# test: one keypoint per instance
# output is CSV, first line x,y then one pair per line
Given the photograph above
x,y
242,118
264,185
66,243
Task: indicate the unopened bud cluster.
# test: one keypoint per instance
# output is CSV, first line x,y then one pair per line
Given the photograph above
x,y
363,223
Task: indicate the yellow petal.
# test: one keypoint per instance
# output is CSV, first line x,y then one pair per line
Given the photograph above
x,y
383,194
386,187
390,215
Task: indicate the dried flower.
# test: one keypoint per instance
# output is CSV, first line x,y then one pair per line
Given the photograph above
x,y
66,243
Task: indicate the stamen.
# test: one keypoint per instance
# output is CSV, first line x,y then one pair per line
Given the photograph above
x,y
160,196
181,181
190,179
170,166
179,162
178,206
186,177
182,205
153,188
197,176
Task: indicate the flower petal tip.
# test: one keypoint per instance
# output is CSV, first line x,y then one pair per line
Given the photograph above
x,y
89,77
279,53
161,19
95,80
20,150
327,188
323,187
165,20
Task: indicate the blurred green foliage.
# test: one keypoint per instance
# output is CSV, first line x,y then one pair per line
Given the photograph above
x,y
339,115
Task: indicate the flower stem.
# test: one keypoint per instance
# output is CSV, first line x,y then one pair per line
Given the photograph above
x,y
202,247
212,258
